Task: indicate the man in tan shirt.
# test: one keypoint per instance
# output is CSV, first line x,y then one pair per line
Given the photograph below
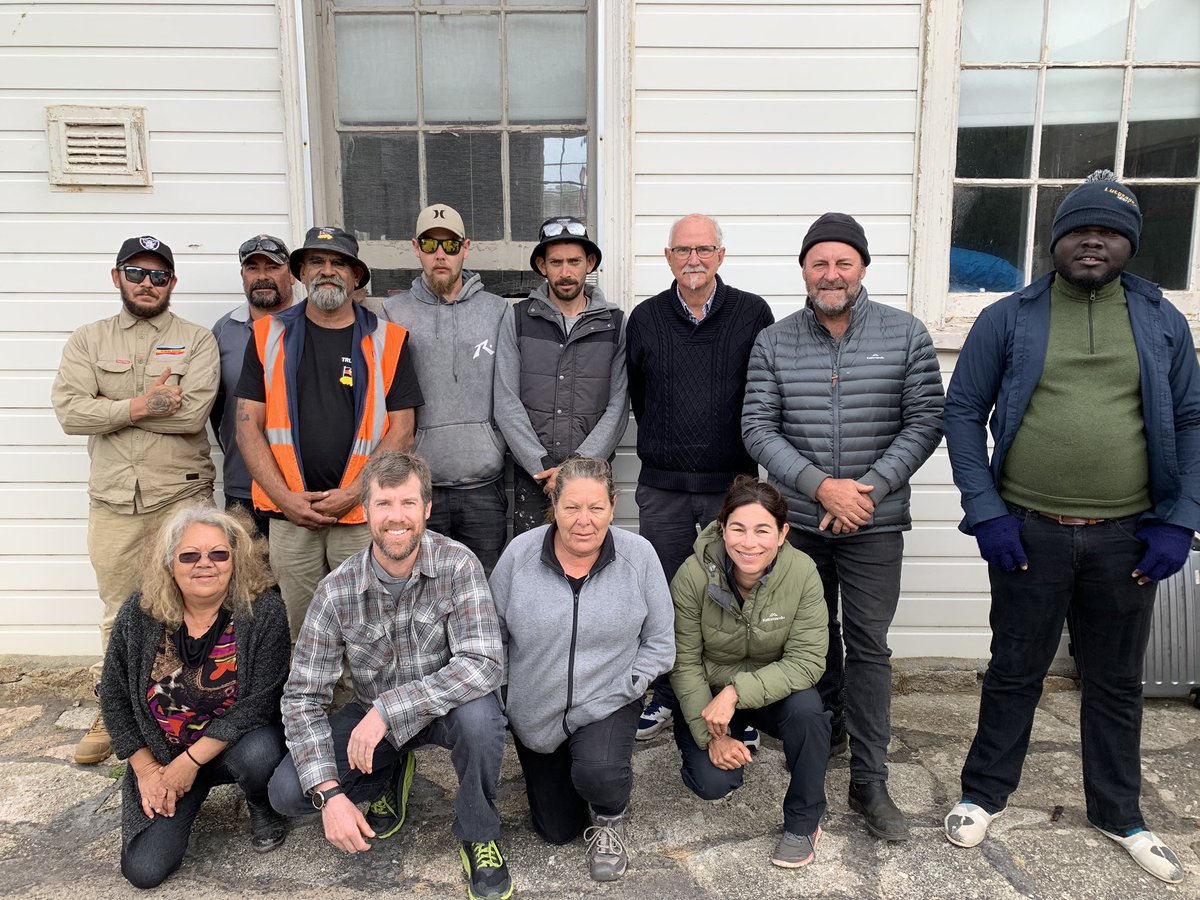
x,y
140,385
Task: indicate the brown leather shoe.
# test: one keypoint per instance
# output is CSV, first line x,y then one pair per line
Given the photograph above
x,y
95,746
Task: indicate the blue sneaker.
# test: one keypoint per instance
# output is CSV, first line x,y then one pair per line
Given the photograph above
x,y
751,738
655,717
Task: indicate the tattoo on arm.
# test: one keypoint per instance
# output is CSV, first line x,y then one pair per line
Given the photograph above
x,y
158,403
243,414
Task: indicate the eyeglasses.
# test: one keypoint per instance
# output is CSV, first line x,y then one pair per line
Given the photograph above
x,y
704,252
191,557
255,244
570,226
136,275
452,246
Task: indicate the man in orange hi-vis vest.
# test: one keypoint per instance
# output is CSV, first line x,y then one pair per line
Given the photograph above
x,y
325,384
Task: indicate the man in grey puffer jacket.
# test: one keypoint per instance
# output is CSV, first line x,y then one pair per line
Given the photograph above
x,y
843,404
452,326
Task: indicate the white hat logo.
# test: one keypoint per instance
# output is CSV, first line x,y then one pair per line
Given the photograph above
x,y
149,243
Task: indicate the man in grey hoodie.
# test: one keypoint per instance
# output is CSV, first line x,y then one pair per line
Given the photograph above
x,y
452,325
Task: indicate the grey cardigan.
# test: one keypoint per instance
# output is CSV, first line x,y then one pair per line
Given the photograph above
x,y
576,659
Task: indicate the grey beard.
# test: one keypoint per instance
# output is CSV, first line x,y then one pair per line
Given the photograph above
x,y
328,297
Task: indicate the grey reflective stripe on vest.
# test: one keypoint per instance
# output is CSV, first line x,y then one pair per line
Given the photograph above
x,y
277,436
378,397
273,349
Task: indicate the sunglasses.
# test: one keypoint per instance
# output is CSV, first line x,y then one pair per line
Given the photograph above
x,y
255,244
430,244
136,275
191,557
569,226
704,252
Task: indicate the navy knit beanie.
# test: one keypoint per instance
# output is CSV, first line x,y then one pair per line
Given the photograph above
x,y
837,227
1102,201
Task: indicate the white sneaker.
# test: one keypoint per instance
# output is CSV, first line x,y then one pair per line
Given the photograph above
x,y
1151,854
655,717
967,824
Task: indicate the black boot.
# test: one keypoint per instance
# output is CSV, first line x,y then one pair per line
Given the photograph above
x,y
839,741
883,819
267,827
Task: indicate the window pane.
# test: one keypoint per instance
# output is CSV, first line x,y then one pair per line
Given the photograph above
x,y
1164,124
995,124
374,2
376,70
1164,254
1081,30
463,170
1002,30
549,178
380,193
1079,134
461,64
578,3
1168,30
547,68
987,238
1048,200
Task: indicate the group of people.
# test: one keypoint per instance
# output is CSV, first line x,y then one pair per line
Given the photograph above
x,y
369,449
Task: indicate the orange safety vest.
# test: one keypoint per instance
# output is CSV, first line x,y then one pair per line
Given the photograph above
x,y
389,338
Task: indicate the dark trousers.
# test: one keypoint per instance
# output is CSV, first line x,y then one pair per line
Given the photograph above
x,y
529,502
157,851
474,735
261,522
864,568
670,521
593,767
801,721
1080,574
477,517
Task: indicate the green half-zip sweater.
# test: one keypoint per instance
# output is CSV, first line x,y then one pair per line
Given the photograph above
x,y
1081,446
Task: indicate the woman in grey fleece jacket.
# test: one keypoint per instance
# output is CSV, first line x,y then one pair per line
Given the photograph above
x,y
588,624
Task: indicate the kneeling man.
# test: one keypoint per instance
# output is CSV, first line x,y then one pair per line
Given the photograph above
x,y
413,615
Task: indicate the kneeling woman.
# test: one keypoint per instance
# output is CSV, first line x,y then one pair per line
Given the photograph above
x,y
751,631
586,617
191,686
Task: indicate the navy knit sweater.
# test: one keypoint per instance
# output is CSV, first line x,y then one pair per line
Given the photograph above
x,y
686,384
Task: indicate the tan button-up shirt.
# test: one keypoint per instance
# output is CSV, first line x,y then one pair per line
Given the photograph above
x,y
104,366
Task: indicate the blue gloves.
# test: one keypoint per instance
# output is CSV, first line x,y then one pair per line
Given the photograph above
x,y
1167,548
999,542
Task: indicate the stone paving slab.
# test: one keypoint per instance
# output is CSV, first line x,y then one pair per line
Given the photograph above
x,y
60,824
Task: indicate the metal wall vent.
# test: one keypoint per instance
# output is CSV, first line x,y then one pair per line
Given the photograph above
x,y
94,145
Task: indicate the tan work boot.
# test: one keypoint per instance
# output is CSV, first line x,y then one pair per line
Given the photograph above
x,y
95,746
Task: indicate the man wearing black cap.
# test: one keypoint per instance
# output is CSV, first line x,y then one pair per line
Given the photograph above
x,y
843,404
560,387
140,385
324,385
268,283
1088,381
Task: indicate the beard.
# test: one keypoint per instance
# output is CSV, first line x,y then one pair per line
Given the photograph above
x,y
128,294
328,295
403,551
441,282
693,277
565,291
264,294
1092,280
833,309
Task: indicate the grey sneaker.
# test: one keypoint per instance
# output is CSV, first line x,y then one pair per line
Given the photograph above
x,y
606,853
794,851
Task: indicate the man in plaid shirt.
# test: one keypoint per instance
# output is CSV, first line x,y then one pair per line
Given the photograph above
x,y
414,616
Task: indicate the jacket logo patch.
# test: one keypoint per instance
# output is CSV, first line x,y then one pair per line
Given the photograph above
x,y
163,350
875,356
485,346
773,617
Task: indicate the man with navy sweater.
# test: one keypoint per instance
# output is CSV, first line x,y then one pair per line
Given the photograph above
x,y
686,354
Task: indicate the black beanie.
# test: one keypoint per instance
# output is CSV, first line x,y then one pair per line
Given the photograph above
x,y
1102,201
836,227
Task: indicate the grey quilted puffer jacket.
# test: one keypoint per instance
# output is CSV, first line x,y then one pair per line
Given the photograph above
x,y
867,408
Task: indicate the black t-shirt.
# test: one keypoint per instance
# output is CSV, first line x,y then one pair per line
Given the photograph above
x,y
325,392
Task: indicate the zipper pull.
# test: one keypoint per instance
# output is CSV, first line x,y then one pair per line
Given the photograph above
x,y
833,380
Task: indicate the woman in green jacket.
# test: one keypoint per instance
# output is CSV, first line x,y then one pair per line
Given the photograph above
x,y
751,630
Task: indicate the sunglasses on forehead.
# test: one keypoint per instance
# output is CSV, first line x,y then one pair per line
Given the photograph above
x,y
191,557
569,226
136,275
452,246
261,244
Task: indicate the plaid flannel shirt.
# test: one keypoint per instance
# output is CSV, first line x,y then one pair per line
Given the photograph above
x,y
435,648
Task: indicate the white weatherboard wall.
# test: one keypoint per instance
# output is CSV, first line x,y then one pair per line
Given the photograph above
x,y
217,115
765,115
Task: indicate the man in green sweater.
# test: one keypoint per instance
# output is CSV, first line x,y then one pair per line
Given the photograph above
x,y
1092,495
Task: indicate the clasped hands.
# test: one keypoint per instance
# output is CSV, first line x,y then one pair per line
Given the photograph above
x,y
724,751
847,504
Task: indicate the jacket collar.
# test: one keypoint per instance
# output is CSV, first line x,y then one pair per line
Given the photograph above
x,y
608,552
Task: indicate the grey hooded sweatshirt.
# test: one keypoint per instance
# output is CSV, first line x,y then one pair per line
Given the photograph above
x,y
454,351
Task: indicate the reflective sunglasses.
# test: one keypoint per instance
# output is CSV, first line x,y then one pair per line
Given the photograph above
x,y
255,244
136,275
191,557
569,226
704,252
452,246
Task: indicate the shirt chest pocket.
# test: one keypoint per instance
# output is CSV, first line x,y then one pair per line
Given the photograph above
x,y
156,367
427,631
114,379
367,648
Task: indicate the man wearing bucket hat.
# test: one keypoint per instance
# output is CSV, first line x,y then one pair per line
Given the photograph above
x,y
1088,381
560,386
325,384
268,284
140,385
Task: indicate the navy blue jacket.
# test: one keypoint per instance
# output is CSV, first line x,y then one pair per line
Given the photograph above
x,y
999,369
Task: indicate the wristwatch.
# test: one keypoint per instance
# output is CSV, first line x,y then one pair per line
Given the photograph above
x,y
320,798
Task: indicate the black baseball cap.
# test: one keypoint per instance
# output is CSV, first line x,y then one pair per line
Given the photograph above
x,y
145,244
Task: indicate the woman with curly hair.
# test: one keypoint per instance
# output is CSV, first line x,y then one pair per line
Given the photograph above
x,y
191,688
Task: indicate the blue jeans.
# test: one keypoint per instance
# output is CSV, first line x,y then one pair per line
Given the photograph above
x,y
474,735
157,851
864,568
1080,573
477,517
802,723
